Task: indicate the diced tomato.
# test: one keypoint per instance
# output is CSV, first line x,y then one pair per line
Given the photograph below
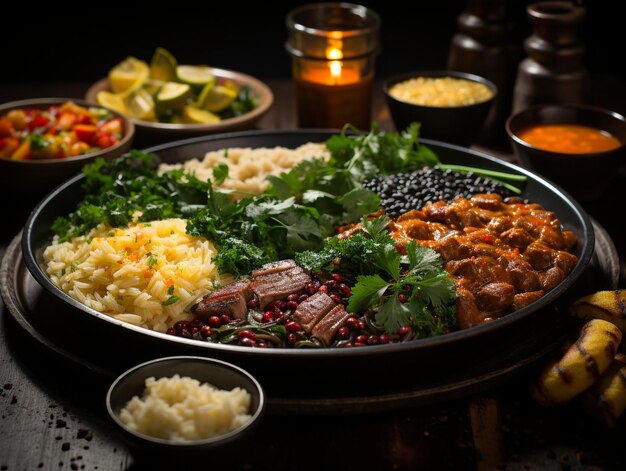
x,y
112,127
78,148
38,121
84,118
66,121
8,145
104,140
86,132
6,128
23,152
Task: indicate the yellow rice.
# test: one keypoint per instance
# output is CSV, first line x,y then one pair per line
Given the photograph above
x,y
131,273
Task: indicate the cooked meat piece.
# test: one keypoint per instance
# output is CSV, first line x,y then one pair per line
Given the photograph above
x,y
523,276
512,200
326,328
527,223
551,237
495,297
279,285
499,224
490,201
439,231
231,300
467,313
437,211
517,238
471,218
521,300
413,214
569,240
484,249
450,249
311,310
539,255
416,229
273,267
565,261
551,278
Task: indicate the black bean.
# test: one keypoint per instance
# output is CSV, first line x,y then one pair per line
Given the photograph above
x,y
402,192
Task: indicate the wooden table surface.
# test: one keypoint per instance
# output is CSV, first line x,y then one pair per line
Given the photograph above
x,y
52,416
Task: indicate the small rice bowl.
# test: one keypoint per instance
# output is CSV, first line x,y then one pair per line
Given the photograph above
x,y
145,274
181,409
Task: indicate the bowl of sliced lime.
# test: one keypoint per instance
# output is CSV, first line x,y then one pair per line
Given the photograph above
x,y
167,100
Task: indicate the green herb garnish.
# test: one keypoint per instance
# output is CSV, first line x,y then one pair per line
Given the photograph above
x,y
171,300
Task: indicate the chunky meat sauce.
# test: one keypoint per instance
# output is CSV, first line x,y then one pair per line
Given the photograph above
x,y
503,255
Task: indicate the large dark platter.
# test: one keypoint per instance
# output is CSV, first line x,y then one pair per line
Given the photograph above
x,y
466,360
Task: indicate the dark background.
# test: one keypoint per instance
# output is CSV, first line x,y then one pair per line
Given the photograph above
x,y
80,42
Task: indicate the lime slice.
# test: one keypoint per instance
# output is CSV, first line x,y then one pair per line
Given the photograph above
x,y
193,115
216,98
195,75
173,95
141,105
127,74
153,87
112,101
163,65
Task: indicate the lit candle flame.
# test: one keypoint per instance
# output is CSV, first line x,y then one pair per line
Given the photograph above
x,y
335,65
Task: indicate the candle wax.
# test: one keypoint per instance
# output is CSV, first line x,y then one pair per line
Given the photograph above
x,y
332,104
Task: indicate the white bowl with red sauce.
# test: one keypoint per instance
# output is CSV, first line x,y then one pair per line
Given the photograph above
x,y
578,147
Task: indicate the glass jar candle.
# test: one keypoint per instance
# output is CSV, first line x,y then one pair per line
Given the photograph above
x,y
333,48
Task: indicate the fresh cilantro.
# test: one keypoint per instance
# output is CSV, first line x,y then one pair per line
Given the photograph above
x,y
152,260
220,173
170,290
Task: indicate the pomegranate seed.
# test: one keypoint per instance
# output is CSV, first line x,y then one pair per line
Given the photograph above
x,y
194,330
402,298
352,322
292,297
246,334
224,319
337,277
312,287
205,331
345,289
182,325
261,344
331,283
186,334
196,323
343,332
171,331
405,329
253,303
383,338
278,313
359,344
361,338
323,289
293,326
372,340
214,321
303,297
348,345
292,304
292,338
268,316
281,304
336,298
247,342
340,229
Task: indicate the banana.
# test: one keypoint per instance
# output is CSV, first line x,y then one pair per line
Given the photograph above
x,y
581,365
607,305
606,400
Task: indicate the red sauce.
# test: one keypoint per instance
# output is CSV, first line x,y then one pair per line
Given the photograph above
x,y
569,138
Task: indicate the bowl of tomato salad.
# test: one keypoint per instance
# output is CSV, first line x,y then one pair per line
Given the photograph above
x,y
45,141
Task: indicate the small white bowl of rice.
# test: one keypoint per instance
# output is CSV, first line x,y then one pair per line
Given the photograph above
x,y
184,403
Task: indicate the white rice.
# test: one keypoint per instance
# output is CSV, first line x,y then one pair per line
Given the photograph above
x,y
248,167
146,274
181,409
